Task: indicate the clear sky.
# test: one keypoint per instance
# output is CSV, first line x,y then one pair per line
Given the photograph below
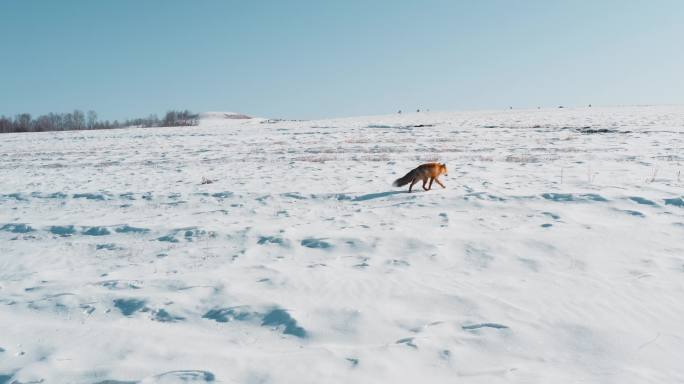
x,y
325,58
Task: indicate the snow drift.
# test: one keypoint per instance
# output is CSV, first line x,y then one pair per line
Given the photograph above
x,y
554,255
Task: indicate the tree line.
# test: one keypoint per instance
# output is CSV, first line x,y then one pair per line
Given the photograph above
x,y
77,120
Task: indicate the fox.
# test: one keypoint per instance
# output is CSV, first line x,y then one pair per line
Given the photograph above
x,y
424,172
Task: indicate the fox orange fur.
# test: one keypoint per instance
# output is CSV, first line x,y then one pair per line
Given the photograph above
x,y
424,172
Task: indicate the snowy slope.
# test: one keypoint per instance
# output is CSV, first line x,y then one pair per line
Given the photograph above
x,y
556,253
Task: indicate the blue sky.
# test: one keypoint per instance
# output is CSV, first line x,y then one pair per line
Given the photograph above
x,y
311,59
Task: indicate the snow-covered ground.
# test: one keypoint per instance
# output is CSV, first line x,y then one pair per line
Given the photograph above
x,y
555,255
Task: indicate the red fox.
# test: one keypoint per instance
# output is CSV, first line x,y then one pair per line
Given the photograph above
x,y
424,172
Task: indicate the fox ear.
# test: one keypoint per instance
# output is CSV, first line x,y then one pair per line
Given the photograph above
x,y
443,164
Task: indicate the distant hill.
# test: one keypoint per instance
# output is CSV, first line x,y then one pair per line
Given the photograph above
x,y
223,115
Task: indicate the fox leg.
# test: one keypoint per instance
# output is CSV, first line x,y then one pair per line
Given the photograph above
x,y
430,185
439,182
425,182
411,186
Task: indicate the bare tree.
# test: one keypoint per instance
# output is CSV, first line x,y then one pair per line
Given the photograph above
x,y
6,125
23,122
92,119
78,120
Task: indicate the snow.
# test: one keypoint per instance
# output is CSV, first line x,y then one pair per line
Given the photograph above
x,y
555,254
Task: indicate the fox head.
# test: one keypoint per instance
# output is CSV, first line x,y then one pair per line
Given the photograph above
x,y
443,169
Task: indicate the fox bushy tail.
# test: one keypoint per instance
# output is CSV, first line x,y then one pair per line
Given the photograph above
x,y
400,182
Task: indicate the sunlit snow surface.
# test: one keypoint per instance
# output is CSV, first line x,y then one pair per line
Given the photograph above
x,y
555,255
